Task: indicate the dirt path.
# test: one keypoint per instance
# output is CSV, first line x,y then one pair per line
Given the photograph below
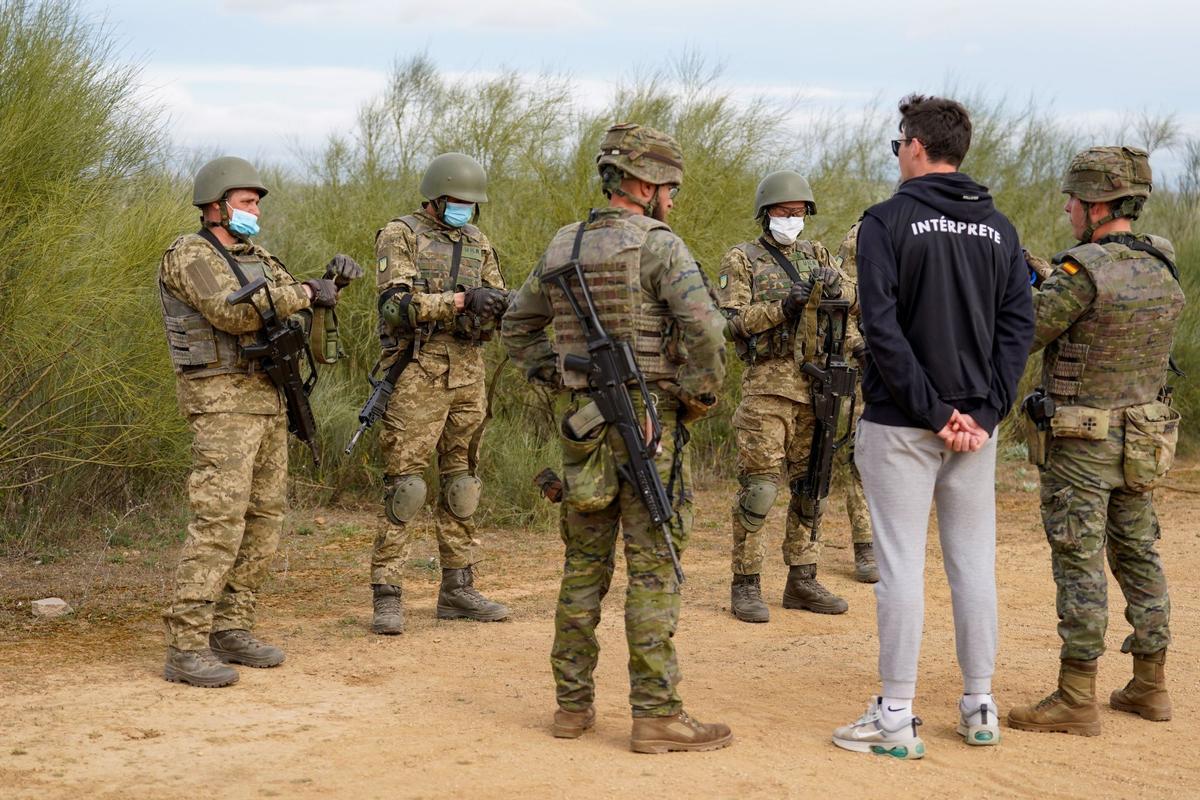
x,y
462,710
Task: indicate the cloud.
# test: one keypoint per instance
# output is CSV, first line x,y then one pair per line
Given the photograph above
x,y
526,15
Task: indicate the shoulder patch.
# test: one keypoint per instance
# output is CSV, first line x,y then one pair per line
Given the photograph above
x,y
1069,267
724,280
382,264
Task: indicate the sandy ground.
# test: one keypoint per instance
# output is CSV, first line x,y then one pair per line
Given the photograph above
x,y
457,709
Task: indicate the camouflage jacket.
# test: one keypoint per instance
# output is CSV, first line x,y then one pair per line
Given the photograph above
x,y
193,272
404,257
750,294
669,275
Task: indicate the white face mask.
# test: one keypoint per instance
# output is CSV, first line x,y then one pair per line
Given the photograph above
x,y
786,229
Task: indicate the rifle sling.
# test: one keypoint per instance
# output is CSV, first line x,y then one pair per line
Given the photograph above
x,y
455,262
211,238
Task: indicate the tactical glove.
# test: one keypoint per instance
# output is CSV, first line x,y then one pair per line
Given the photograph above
x,y
831,282
793,304
343,269
485,301
324,291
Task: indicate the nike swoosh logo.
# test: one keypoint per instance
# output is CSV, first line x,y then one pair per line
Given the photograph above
x,y
894,710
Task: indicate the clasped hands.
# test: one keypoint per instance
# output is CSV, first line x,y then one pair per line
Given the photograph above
x,y
962,434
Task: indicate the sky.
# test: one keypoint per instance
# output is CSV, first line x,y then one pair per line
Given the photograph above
x,y
270,79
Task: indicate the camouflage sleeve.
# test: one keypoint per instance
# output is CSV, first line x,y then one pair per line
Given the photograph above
x,y
396,261
1062,299
848,252
679,283
200,276
523,328
734,293
490,272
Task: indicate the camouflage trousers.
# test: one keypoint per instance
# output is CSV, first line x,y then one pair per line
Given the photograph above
x,y
651,597
774,436
1088,512
424,415
236,492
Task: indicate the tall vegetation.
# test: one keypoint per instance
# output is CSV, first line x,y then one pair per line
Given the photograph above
x,y
87,206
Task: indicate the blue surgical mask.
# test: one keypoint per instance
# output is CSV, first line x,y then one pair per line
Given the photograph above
x,y
458,214
243,223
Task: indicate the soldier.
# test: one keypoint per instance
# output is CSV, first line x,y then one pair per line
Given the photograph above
x,y
650,294
865,569
763,291
440,296
238,421
1107,315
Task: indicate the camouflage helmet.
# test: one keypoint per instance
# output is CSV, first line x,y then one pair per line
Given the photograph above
x,y
455,175
642,153
1100,174
216,178
784,186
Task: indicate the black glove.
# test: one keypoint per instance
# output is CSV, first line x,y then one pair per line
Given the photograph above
x,y
324,291
831,282
485,301
793,304
343,269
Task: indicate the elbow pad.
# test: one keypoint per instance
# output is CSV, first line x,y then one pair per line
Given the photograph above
x,y
396,309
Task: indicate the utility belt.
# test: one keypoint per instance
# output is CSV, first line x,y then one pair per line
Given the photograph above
x,y
1151,433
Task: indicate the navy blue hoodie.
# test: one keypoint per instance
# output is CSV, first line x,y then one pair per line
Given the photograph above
x,y
946,306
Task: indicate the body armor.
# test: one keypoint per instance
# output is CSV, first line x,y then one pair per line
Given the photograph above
x,y
1116,354
610,255
769,283
199,350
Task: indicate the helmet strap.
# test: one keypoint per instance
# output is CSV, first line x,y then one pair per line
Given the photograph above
x,y
1089,227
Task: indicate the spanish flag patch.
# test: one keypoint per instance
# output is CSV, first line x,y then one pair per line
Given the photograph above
x,y
1069,267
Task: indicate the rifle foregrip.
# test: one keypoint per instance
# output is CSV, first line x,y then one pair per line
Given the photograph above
x,y
577,363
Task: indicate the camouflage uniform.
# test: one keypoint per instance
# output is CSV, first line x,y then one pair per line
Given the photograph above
x,y
1107,317
646,283
856,501
439,402
239,427
774,421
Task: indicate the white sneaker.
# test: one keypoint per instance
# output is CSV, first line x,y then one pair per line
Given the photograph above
x,y
981,726
867,735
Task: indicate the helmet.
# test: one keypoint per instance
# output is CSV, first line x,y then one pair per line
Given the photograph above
x,y
1100,174
219,176
784,186
455,175
642,153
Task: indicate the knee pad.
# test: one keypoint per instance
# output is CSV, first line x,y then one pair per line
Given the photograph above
x,y
754,503
461,493
404,498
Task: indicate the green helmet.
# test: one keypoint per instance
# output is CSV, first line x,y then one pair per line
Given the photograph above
x,y
784,186
455,175
642,153
1101,174
216,178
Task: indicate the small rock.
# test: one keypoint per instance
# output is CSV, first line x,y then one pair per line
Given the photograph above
x,y
319,520
50,608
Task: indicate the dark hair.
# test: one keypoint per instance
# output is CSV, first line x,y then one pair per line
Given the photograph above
x,y
942,125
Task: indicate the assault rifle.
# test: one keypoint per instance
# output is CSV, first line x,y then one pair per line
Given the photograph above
x,y
610,368
831,384
282,349
381,392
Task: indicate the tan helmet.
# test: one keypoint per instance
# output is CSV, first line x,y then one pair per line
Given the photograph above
x,y
455,175
216,178
784,186
642,153
1100,174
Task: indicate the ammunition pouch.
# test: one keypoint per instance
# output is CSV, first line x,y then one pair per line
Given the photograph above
x,y
1081,422
589,476
1151,434
403,498
777,342
754,502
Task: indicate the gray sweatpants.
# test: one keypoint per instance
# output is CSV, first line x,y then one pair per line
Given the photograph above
x,y
903,469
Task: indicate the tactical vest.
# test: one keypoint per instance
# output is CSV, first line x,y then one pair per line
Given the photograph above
x,y
435,263
1116,354
610,255
199,350
770,283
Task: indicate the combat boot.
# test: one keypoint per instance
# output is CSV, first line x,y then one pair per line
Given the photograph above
x,y
1146,693
865,570
745,599
804,591
198,668
572,724
241,647
1071,708
388,619
677,732
459,599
